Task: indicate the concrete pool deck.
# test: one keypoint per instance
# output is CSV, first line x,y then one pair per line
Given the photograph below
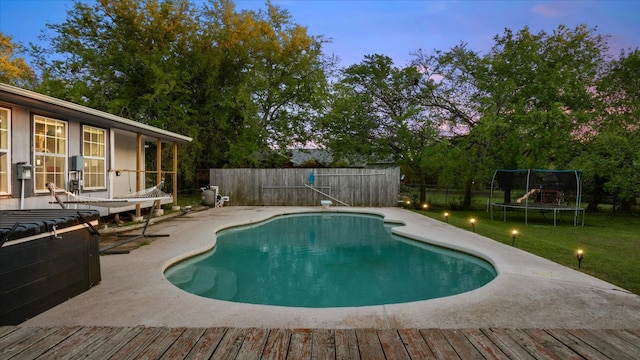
x,y
529,291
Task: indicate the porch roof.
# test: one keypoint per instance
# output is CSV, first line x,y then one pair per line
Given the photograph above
x,y
69,110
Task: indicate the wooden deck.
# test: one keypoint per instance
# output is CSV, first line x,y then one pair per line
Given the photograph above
x,y
255,343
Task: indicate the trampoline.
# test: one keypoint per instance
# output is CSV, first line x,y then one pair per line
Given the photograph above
x,y
552,191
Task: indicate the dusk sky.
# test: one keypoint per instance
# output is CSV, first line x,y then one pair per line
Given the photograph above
x,y
394,28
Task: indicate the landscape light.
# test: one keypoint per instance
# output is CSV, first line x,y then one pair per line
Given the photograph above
x,y
446,216
579,255
425,206
514,235
473,224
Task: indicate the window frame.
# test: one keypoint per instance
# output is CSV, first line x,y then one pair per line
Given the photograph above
x,y
5,176
39,156
102,157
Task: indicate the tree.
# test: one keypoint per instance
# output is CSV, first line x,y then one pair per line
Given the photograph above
x,y
611,154
522,105
126,58
544,86
13,69
458,106
376,115
240,83
273,78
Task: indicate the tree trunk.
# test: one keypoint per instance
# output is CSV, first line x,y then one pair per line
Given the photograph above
x,y
466,201
423,188
597,194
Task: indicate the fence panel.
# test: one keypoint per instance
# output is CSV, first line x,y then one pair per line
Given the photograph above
x,y
290,187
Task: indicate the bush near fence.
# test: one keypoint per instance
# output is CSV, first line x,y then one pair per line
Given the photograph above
x,y
372,187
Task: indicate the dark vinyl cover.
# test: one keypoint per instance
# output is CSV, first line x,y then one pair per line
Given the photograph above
x,y
37,221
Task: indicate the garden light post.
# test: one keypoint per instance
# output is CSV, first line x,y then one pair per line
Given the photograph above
x,y
579,255
473,224
514,235
446,216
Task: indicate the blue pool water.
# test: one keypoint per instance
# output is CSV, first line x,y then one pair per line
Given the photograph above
x,y
326,260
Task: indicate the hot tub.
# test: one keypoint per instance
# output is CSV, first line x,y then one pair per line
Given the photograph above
x,y
47,256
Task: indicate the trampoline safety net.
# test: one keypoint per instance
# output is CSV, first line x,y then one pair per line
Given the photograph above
x,y
553,190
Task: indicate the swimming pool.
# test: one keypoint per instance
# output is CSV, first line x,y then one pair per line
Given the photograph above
x,y
320,260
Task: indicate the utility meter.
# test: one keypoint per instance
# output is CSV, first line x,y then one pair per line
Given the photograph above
x,y
24,171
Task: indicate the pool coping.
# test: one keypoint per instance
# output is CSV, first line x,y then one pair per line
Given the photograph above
x,y
528,291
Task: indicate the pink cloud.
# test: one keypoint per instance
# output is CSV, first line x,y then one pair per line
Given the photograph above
x,y
547,10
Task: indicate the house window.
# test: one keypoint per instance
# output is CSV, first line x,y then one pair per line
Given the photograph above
x,y
50,152
5,117
93,140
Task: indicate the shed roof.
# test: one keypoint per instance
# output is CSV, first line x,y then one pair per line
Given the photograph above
x,y
91,116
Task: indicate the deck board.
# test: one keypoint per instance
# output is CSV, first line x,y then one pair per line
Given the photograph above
x,y
544,340
107,342
183,345
19,340
533,347
230,344
253,344
392,345
43,345
346,344
369,344
206,344
415,344
73,345
507,344
598,341
487,348
461,345
138,343
439,344
300,344
279,344
323,344
576,345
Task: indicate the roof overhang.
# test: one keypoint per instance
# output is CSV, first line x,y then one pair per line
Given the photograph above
x,y
69,110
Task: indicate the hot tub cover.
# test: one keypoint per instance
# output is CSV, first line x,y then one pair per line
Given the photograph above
x,y
37,221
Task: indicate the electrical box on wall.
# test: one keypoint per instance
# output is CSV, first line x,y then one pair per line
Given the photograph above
x,y
77,163
74,186
24,171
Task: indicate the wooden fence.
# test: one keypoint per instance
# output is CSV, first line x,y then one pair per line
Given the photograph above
x,y
291,187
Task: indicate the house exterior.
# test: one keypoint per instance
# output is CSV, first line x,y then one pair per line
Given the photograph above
x,y
82,150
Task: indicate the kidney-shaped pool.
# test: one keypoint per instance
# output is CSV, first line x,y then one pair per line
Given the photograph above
x,y
320,260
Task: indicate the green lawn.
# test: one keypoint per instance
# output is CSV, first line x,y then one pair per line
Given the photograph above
x,y
610,242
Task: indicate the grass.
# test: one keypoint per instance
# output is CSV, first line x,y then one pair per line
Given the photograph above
x,y
610,242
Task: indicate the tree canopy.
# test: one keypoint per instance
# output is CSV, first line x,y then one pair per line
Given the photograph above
x,y
243,84
13,68
250,85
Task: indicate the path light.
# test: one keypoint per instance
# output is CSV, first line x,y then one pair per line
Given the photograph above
x,y
514,235
473,224
579,255
425,206
446,216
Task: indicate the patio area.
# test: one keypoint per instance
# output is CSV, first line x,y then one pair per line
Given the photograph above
x,y
529,292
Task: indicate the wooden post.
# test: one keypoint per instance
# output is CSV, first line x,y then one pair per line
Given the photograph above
x,y
139,149
175,174
158,167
